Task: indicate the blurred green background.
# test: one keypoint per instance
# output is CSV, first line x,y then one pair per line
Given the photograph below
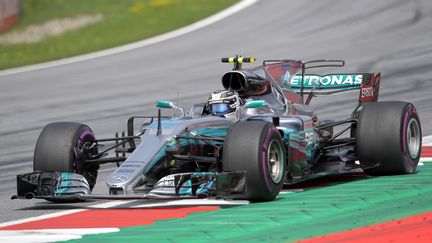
x,y
119,22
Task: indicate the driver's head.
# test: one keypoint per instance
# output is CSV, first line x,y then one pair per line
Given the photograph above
x,y
223,103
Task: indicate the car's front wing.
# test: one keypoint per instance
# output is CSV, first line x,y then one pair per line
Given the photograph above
x,y
58,186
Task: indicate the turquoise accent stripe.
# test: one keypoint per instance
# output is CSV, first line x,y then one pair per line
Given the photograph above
x,y
166,123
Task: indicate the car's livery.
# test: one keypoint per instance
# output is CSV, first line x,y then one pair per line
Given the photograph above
x,y
274,139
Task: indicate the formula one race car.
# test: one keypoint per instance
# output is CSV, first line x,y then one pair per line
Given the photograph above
x,y
271,138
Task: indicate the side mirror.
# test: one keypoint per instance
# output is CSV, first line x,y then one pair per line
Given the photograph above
x,y
169,104
164,104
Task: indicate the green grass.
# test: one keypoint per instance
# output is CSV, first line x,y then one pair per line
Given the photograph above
x,y
124,21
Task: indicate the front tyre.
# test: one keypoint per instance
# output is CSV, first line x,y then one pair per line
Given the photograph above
x,y
389,134
257,148
57,146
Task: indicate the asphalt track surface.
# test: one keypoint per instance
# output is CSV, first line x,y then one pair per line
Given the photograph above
x,y
391,37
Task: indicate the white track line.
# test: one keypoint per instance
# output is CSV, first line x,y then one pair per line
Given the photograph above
x,y
54,235
50,235
62,213
128,47
41,217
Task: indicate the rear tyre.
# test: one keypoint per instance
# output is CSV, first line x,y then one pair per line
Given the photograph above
x,y
56,150
257,148
389,134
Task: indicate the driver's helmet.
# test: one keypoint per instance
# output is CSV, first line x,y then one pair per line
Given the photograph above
x,y
223,103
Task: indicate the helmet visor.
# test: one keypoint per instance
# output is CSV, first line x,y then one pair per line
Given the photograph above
x,y
219,108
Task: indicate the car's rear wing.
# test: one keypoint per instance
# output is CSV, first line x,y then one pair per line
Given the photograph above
x,y
334,83
313,84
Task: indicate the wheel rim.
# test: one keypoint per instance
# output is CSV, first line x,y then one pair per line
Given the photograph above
x,y
275,158
413,138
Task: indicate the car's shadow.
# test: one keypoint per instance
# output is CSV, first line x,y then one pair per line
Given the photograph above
x,y
326,181
47,206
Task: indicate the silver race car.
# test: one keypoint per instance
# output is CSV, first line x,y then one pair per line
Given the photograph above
x,y
247,141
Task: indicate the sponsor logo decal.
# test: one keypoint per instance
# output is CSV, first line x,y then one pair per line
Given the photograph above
x,y
118,178
327,81
367,92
